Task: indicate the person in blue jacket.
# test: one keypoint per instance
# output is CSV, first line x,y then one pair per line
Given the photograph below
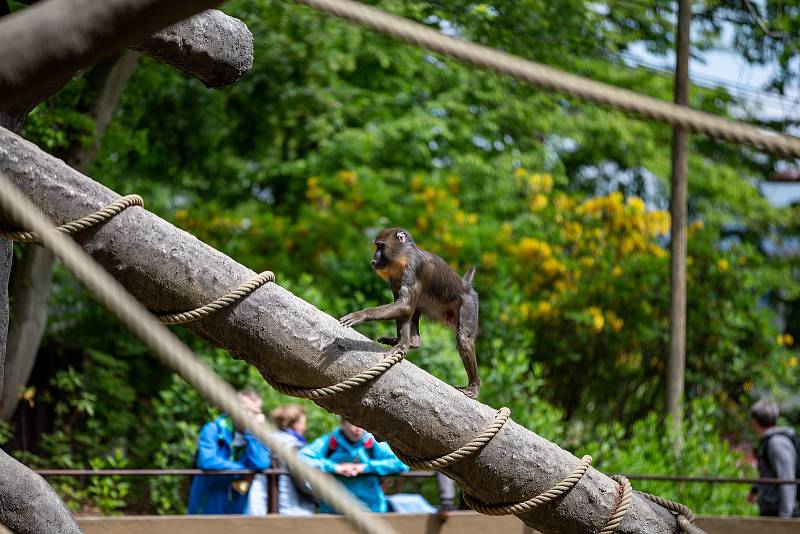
x,y
221,447
357,460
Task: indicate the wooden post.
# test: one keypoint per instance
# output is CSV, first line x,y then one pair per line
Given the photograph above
x,y
676,361
272,491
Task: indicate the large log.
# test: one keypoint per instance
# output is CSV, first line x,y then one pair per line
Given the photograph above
x,y
53,40
28,505
289,340
211,46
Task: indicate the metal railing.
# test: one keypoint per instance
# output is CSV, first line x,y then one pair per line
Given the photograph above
x,y
273,474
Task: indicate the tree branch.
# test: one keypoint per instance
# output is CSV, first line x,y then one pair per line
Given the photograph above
x,y
28,504
211,46
53,40
293,342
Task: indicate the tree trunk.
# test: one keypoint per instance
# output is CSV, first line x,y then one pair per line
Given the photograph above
x,y
293,342
30,290
28,505
676,361
31,280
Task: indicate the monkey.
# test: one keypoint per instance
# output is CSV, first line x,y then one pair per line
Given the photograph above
x,y
423,284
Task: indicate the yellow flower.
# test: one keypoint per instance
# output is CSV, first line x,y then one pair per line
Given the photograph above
x,y
422,223
597,318
417,182
748,386
793,361
614,321
472,218
489,260
538,202
637,204
349,178
723,265
788,340
543,309
552,267
530,247
588,261
616,271
452,183
524,310
519,172
181,215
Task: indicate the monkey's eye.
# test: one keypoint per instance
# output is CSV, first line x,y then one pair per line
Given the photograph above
x,y
380,246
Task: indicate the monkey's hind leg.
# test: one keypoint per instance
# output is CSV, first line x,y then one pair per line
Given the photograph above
x,y
466,332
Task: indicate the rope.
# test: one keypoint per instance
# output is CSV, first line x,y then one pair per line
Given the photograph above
x,y
550,78
622,507
115,208
684,515
224,301
459,454
78,225
177,356
520,508
361,378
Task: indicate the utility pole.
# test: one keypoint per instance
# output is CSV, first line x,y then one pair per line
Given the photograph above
x,y
676,361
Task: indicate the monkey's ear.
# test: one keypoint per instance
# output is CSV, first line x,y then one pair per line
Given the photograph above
x,y
401,236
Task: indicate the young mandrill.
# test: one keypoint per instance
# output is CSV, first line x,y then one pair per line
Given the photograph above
x,y
423,283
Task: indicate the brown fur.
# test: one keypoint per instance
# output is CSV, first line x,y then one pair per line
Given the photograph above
x,y
423,284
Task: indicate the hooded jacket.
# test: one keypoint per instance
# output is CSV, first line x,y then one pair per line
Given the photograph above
x,y
334,448
777,458
216,451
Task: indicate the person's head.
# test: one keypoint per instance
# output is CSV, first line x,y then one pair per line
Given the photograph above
x,y
251,401
351,431
764,414
290,416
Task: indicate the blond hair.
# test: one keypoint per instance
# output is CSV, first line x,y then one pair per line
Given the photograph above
x,y
286,416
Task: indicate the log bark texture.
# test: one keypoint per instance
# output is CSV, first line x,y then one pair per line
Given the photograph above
x,y
30,288
53,40
210,46
28,505
288,339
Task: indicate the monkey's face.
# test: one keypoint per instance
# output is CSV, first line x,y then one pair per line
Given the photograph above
x,y
389,248
380,260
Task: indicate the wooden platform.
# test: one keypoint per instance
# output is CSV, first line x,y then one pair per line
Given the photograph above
x,y
457,523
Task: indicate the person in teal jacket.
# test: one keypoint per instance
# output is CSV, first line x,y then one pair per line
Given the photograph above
x,y
221,447
357,460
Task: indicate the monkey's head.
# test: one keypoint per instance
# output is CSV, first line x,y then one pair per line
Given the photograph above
x,y
391,246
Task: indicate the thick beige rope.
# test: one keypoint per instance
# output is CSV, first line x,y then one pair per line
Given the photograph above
x,y
546,77
224,301
520,508
177,356
391,358
78,225
115,208
459,454
622,507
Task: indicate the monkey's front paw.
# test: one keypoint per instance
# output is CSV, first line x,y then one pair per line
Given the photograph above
x,y
351,319
470,391
388,340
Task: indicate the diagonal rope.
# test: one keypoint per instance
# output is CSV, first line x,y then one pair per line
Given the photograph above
x,y
177,356
391,358
78,225
462,452
550,78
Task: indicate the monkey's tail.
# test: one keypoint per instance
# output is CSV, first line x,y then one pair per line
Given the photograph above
x,y
469,275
